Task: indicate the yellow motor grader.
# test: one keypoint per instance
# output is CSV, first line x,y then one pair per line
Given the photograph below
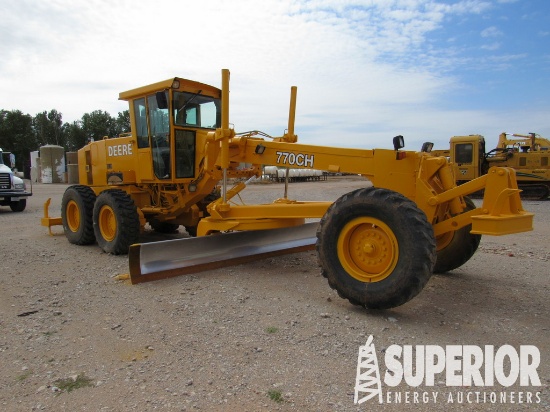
x,y
528,155
378,246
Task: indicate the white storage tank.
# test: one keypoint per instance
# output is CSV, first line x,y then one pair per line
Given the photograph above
x,y
72,167
52,164
35,166
270,170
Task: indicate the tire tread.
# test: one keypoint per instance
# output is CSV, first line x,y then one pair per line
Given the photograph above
x,y
383,294
127,218
87,197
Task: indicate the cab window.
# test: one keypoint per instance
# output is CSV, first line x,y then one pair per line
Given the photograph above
x,y
158,118
185,153
195,110
464,153
159,131
140,114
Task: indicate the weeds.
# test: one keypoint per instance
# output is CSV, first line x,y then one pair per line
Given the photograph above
x,y
24,376
70,384
275,395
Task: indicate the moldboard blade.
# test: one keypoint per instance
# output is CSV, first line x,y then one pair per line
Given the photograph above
x,y
169,258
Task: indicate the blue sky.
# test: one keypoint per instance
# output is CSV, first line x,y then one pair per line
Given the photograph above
x,y
365,70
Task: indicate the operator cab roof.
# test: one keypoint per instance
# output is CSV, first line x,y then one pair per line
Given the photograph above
x,y
177,83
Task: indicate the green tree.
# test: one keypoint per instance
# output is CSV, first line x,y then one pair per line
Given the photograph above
x,y
48,128
21,133
98,124
123,122
17,136
75,136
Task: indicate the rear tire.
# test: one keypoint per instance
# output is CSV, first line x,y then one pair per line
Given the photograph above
x,y
115,221
18,206
77,207
376,248
460,248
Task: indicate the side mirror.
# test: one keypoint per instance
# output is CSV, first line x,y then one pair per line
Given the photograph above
x,y
398,142
427,147
162,100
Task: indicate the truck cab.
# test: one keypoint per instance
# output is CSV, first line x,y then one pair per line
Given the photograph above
x,y
13,191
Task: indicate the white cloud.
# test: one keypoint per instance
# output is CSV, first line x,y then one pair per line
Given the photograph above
x,y
466,6
491,46
363,69
491,32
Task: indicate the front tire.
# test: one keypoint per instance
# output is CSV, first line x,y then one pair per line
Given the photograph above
x,y
77,207
116,222
18,206
376,248
456,248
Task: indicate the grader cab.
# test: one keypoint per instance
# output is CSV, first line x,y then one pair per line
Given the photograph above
x,y
377,246
527,154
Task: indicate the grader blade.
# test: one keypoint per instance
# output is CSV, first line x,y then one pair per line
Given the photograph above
x,y
165,259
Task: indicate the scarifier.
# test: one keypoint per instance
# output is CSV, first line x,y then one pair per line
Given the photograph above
x,y
378,246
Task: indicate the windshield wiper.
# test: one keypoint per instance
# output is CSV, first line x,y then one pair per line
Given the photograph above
x,y
188,102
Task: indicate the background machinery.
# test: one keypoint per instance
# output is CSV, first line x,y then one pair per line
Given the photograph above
x,y
377,246
527,154
13,191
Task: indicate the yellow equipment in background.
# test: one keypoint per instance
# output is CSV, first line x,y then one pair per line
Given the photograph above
x,y
377,246
528,155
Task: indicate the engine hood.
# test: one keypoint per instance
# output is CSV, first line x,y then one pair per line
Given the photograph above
x,y
5,169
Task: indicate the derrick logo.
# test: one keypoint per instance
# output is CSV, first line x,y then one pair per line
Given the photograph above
x,y
465,367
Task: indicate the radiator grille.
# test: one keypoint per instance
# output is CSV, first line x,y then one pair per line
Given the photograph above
x,y
5,181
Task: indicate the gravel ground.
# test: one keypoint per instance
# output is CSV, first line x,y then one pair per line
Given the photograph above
x,y
268,335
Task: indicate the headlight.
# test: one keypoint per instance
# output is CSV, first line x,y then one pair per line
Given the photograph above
x,y
18,184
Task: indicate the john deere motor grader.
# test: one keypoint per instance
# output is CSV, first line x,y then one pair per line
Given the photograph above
x,y
377,246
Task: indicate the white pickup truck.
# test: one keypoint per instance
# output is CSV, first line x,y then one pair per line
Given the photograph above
x,y
13,192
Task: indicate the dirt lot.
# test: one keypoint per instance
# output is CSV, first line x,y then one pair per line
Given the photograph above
x,y
269,335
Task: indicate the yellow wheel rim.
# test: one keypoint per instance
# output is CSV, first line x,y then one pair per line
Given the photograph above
x,y
107,223
73,216
368,249
443,240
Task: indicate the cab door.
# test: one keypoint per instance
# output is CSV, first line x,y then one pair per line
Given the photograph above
x,y
144,170
465,154
159,134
